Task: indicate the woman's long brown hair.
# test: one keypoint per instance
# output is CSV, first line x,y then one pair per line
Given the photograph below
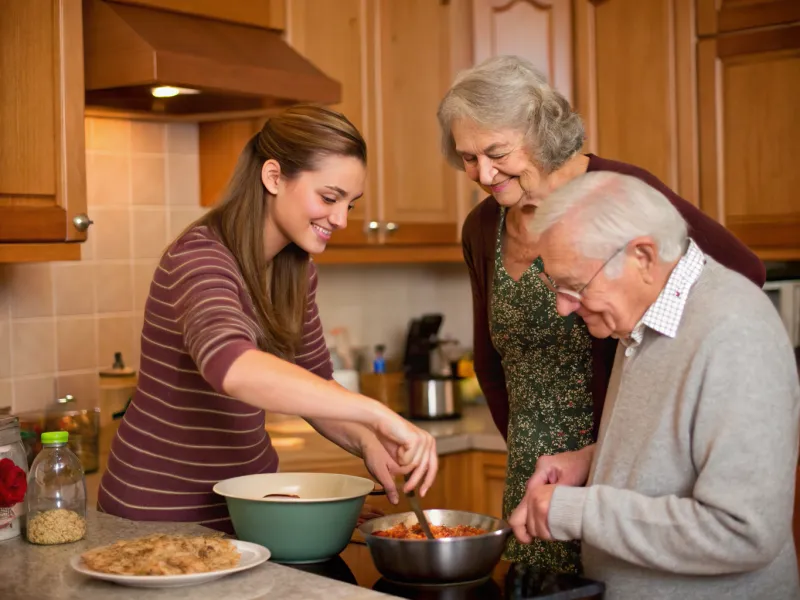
x,y
297,138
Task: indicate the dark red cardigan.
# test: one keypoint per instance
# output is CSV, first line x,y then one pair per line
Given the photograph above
x,y
479,237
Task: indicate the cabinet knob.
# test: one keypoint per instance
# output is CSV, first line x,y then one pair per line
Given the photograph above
x,y
81,222
391,227
373,226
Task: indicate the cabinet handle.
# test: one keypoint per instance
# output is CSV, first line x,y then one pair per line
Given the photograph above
x,y
373,226
391,227
81,222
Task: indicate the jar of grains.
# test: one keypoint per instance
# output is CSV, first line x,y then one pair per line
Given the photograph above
x,y
13,477
56,493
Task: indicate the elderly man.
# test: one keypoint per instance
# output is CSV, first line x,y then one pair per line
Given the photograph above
x,y
688,491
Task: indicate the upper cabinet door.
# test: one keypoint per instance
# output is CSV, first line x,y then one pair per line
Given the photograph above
x,y
538,30
749,84
720,16
636,86
414,69
338,38
42,150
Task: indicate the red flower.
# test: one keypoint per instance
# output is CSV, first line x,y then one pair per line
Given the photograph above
x,y
13,483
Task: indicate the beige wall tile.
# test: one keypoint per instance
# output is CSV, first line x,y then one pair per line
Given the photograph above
x,y
31,290
87,247
112,230
5,350
148,137
6,272
84,387
6,393
33,347
110,135
114,287
115,334
149,228
183,179
76,343
74,285
108,180
182,138
33,394
180,217
135,360
148,183
142,278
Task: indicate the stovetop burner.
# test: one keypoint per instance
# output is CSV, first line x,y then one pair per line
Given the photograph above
x,y
520,583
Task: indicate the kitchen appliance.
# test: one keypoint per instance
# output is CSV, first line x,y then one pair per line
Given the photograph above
x,y
431,371
509,581
219,65
438,561
785,295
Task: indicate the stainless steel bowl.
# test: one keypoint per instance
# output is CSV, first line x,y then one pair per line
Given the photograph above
x,y
448,560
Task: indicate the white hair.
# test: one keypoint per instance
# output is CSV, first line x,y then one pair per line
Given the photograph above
x,y
508,92
606,210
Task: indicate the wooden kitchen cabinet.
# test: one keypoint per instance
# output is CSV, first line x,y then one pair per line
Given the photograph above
x,y
723,16
395,61
636,86
42,150
748,84
261,13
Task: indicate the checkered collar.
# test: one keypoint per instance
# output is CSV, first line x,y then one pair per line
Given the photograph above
x,y
664,315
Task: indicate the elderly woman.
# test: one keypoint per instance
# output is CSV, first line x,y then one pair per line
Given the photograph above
x,y
544,377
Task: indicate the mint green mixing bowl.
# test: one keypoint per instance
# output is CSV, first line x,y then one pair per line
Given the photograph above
x,y
312,528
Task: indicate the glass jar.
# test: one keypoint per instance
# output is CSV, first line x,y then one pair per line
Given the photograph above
x,y
13,478
56,493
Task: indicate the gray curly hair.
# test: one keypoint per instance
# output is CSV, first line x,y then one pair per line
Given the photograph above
x,y
508,92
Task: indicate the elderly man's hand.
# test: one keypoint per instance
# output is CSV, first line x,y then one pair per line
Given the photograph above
x,y
529,519
567,468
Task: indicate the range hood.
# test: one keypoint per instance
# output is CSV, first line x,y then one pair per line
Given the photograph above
x,y
225,67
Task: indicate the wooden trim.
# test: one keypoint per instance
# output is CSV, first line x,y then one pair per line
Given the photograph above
x,y
767,231
99,112
379,153
71,150
265,13
33,223
710,118
762,40
422,233
733,17
707,17
685,69
21,253
777,254
390,255
585,78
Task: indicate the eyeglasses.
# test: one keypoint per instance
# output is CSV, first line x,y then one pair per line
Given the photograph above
x,y
577,295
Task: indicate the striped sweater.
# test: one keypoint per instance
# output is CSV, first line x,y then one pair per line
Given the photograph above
x,y
181,433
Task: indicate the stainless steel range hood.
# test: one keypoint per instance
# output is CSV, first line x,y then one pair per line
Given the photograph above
x,y
129,50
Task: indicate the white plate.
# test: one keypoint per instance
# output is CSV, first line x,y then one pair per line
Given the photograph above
x,y
252,555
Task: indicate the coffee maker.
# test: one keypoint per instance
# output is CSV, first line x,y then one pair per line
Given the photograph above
x,y
431,379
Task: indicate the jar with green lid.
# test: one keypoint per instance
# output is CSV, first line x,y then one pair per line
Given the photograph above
x,y
13,478
56,501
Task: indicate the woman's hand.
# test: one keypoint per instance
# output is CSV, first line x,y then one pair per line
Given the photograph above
x,y
381,466
413,449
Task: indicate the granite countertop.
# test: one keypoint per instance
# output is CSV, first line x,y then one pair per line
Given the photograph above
x,y
299,445
28,571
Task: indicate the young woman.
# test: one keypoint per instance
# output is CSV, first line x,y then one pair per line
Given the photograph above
x,y
231,329
544,377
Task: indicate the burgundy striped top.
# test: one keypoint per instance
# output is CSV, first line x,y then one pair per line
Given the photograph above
x,y
181,433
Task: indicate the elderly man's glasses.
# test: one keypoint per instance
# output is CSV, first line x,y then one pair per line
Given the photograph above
x,y
578,294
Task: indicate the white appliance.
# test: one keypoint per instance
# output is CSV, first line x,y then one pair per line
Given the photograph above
x,y
785,295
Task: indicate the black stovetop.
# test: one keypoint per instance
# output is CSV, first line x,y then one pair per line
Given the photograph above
x,y
519,583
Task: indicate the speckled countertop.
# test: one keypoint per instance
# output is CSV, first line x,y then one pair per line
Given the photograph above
x,y
30,572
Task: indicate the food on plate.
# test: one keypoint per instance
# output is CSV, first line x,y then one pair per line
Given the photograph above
x,y
401,532
57,526
162,554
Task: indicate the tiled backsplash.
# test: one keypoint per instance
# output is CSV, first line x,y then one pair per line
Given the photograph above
x,y
60,322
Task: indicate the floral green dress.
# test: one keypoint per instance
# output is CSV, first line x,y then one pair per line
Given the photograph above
x,y
547,364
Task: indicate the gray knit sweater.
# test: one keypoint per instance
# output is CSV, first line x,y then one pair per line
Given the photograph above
x,y
691,489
